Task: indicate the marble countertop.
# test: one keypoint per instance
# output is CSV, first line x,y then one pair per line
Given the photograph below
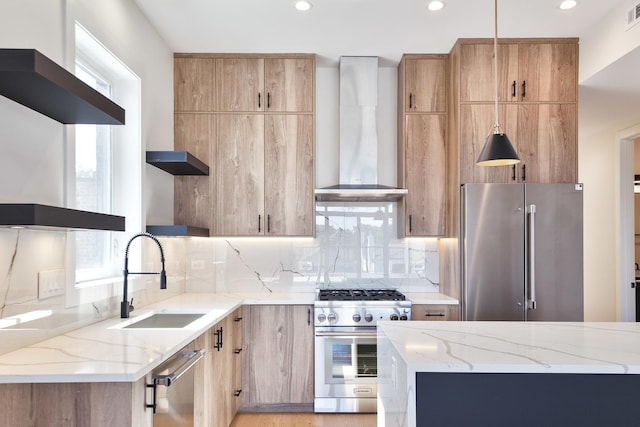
x,y
523,347
105,351
430,298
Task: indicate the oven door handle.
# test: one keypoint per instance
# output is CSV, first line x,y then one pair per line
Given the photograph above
x,y
346,334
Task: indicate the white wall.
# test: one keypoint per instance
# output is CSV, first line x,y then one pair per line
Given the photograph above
x,y
32,165
599,169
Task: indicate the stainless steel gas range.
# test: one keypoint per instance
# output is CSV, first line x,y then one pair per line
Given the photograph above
x,y
346,366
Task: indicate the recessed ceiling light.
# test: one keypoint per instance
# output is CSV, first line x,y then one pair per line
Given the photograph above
x,y
303,5
568,4
435,5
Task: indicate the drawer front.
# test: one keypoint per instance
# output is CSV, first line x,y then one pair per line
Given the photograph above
x,y
435,312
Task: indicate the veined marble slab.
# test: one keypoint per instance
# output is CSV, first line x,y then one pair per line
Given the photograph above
x,y
556,347
494,348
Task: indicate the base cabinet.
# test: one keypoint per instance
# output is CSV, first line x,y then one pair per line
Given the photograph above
x,y
437,312
217,391
74,405
278,365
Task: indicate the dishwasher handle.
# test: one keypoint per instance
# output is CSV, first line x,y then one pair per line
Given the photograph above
x,y
186,361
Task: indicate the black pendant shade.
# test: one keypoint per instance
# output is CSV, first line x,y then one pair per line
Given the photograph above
x,y
497,151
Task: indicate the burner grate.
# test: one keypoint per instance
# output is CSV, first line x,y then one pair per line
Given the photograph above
x,y
360,295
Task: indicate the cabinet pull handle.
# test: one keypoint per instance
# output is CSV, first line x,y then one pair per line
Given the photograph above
x,y
237,393
259,223
259,99
524,172
237,351
268,223
410,224
309,316
513,89
237,319
524,88
268,100
410,101
513,173
218,334
435,314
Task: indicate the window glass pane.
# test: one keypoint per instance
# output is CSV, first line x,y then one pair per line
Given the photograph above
x,y
93,152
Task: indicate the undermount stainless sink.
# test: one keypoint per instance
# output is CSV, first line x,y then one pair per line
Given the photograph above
x,y
165,321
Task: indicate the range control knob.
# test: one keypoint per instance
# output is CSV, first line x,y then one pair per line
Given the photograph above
x,y
321,317
332,318
404,317
356,317
394,317
368,317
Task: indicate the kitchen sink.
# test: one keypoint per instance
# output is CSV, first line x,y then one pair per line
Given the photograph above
x,y
164,320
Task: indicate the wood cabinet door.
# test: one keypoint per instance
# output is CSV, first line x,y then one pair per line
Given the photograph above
x,y
239,175
547,143
549,72
476,72
278,366
289,84
289,175
193,194
425,174
424,85
476,122
239,85
193,82
221,380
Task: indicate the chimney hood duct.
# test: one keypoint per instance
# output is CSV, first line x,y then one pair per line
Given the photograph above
x,y
359,136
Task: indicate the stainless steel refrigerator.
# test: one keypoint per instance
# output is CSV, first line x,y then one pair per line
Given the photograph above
x,y
521,252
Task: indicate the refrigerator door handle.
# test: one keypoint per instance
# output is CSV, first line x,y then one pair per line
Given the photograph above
x,y
531,304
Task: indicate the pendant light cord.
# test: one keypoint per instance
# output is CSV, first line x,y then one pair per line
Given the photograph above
x,y
496,126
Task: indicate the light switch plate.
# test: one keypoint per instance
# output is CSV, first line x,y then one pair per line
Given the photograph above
x,y
50,283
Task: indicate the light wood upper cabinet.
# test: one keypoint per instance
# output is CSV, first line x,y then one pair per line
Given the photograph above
x,y
288,151
422,148
239,85
528,70
193,195
289,84
425,175
239,171
193,84
547,143
425,83
258,138
475,123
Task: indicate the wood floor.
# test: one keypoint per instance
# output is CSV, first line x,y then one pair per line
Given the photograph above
x,y
303,420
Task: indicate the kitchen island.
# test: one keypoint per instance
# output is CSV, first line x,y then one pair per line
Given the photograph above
x,y
508,373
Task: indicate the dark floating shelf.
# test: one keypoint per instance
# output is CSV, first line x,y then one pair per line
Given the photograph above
x,y
34,215
177,230
35,81
177,162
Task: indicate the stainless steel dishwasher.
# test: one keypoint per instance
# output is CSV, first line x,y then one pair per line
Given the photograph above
x,y
172,389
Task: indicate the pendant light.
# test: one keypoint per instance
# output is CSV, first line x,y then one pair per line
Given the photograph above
x,y
497,151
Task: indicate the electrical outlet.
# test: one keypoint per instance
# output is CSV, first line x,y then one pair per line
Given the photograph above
x,y
50,283
197,264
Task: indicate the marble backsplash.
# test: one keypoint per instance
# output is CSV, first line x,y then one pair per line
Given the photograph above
x,y
355,246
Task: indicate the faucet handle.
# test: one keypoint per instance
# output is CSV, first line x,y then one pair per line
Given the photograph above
x,y
131,307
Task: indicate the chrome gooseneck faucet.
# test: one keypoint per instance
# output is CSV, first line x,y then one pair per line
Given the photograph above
x,y
125,306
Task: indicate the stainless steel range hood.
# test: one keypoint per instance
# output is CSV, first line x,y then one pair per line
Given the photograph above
x,y
359,136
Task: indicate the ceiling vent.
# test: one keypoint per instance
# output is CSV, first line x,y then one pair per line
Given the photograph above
x,y
633,16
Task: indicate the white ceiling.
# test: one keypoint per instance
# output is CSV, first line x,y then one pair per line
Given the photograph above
x,y
387,29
